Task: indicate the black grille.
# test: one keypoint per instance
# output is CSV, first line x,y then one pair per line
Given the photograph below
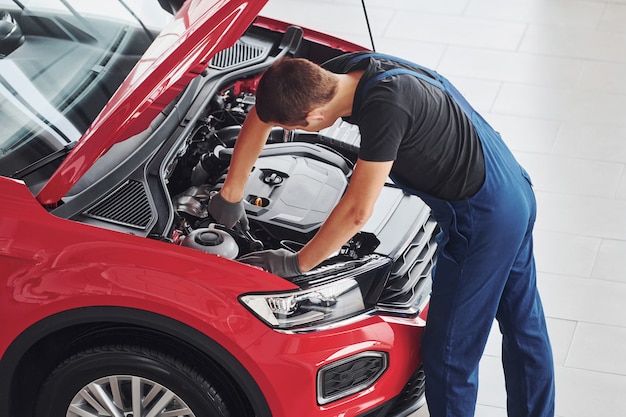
x,y
349,376
241,53
412,396
410,281
128,206
410,399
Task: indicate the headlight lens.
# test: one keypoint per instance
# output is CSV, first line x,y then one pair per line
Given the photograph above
x,y
332,294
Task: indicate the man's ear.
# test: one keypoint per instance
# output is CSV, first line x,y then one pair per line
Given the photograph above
x,y
315,115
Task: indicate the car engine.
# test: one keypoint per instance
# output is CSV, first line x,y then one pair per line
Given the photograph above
x,y
293,187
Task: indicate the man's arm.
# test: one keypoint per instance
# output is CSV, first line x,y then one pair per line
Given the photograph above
x,y
249,144
349,215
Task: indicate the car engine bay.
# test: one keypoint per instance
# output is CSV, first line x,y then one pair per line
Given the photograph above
x,y
158,185
293,187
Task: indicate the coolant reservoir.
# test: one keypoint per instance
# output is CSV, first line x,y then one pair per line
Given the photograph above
x,y
213,240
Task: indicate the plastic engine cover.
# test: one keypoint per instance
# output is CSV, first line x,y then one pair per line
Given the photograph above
x,y
292,195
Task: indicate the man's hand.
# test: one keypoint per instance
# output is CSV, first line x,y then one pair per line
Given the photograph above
x,y
227,213
349,215
250,142
280,262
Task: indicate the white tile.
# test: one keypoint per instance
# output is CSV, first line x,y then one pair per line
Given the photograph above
x,y
606,142
579,13
452,7
565,253
491,390
456,30
608,2
578,176
525,134
614,18
583,299
609,77
582,393
610,263
583,215
487,411
598,348
621,189
561,104
566,41
492,64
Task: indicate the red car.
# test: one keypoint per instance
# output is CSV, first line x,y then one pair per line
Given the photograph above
x,y
119,295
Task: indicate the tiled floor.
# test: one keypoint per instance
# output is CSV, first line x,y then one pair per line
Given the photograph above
x,y
550,75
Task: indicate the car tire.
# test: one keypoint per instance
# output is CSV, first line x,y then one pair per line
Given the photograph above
x,y
127,381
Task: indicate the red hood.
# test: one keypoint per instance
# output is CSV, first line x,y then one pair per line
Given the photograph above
x,y
200,29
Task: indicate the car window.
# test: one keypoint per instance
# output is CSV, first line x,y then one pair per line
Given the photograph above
x,y
60,62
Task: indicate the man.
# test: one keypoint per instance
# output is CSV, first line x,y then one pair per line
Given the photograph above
x,y
418,129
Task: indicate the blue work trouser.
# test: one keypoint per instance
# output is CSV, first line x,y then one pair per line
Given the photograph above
x,y
485,269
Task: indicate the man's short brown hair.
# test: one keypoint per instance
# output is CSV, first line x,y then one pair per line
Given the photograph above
x,y
290,89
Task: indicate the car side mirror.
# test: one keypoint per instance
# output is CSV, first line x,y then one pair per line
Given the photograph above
x,y
11,36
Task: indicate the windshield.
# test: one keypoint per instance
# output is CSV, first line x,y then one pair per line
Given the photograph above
x,y
60,62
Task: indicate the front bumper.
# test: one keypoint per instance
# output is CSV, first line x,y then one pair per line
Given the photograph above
x,y
296,372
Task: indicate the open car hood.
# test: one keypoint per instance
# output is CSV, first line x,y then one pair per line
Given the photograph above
x,y
199,30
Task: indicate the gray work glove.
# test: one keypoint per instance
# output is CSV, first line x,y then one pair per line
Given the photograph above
x,y
227,213
280,262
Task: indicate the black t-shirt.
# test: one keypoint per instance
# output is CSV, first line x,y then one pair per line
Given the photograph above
x,y
401,118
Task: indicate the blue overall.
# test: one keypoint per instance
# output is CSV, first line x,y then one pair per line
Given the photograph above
x,y
485,269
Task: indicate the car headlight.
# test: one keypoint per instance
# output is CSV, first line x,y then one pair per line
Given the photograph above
x,y
331,294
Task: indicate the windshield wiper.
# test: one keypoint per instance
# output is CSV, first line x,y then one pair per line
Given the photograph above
x,y
19,4
132,13
29,169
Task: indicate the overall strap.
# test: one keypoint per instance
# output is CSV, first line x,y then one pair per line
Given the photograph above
x,y
397,71
359,57
432,77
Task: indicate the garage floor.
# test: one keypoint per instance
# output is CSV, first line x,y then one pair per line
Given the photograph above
x,y
550,75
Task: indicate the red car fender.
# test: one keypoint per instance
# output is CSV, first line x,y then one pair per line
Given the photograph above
x,y
56,265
